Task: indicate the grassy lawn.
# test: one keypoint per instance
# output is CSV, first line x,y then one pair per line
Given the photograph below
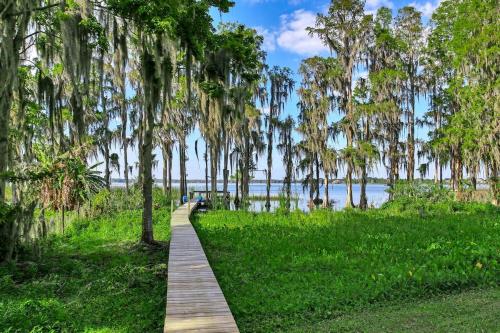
x,y
95,278
353,271
468,311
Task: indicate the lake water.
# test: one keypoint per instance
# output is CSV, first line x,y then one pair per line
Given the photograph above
x,y
376,194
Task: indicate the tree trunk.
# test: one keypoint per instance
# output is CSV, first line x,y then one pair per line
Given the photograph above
x,y
350,142
9,55
440,174
316,185
494,184
311,183
4,139
392,172
170,160
289,169
245,171
436,170
146,153
237,196
453,178
140,130
125,153
437,163
165,168
107,173
269,159
363,200
213,173
206,170
459,172
182,167
474,182
147,177
226,170
326,200
410,176
349,199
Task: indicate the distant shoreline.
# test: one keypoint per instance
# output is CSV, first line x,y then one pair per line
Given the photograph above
x,y
274,181
255,181
380,181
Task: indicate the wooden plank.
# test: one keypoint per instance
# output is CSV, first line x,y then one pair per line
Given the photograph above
x,y
195,302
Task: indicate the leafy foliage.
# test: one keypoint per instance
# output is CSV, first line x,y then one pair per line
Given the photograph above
x,y
418,196
93,270
279,271
118,200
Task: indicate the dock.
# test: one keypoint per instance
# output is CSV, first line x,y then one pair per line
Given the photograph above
x,y
195,302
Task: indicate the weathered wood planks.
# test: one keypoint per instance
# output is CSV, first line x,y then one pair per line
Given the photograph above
x,y
195,302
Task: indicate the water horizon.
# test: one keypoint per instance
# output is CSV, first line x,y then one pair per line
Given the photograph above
x,y
376,193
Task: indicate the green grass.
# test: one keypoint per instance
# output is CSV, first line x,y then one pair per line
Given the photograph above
x,y
95,278
282,272
469,311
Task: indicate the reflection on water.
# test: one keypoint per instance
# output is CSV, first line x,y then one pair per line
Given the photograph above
x,y
376,194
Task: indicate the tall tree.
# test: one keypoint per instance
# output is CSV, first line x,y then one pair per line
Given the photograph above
x,y
287,147
408,29
320,76
282,84
14,19
343,30
120,62
385,91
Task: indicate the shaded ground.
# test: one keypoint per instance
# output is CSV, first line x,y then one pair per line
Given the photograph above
x,y
353,271
469,311
93,279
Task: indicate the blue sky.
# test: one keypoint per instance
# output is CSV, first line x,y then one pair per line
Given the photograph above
x,y
283,24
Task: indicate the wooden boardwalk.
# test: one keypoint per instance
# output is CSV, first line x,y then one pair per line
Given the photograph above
x,y
195,302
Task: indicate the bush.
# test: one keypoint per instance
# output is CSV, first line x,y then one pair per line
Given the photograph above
x,y
117,199
419,196
100,201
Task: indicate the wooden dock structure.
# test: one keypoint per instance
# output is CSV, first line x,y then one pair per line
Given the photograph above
x,y
195,302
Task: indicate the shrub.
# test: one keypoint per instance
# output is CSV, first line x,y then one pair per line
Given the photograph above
x,y
419,196
117,199
100,201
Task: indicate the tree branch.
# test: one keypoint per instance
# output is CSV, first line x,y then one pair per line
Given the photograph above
x,y
34,10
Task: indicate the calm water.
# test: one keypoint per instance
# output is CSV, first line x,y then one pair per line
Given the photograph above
x,y
376,193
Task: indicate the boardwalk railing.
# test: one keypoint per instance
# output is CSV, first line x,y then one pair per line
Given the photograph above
x,y
195,302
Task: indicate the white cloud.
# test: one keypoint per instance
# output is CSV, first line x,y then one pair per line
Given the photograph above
x,y
371,6
294,37
269,38
427,8
375,4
